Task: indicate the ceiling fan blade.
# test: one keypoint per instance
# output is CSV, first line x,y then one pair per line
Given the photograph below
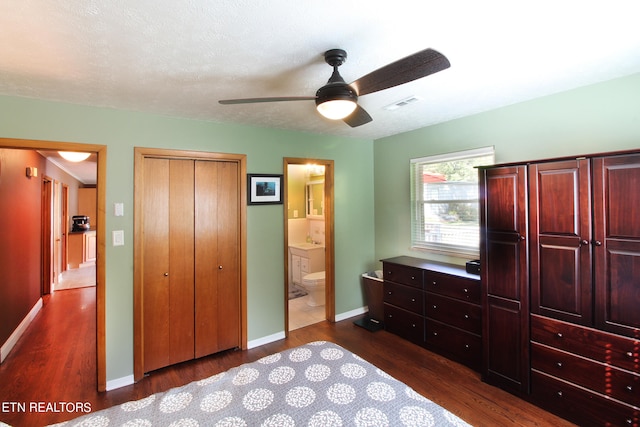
x,y
405,70
272,99
358,118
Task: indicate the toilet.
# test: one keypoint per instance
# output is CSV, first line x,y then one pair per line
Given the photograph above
x,y
314,284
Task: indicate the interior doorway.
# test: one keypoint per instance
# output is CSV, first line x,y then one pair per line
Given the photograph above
x,y
100,153
309,288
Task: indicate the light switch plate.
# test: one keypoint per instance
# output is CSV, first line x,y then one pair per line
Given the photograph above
x,y
118,237
118,209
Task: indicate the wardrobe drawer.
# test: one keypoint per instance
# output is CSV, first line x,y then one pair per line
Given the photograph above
x,y
579,405
600,377
402,274
453,286
454,312
409,326
405,297
601,346
460,345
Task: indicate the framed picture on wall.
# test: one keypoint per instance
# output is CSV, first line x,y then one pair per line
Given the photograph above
x,y
264,189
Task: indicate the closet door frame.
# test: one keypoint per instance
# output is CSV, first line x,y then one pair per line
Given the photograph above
x,y
140,154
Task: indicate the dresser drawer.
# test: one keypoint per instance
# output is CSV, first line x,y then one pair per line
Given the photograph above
x,y
579,405
409,326
460,345
602,346
457,313
600,377
453,286
403,274
405,297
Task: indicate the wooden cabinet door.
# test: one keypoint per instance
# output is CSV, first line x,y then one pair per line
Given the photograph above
x,y
560,240
617,243
168,295
504,272
217,259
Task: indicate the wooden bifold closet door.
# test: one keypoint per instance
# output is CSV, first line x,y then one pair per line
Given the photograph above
x,y
191,259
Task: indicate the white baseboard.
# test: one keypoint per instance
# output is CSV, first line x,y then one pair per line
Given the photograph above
x,y
352,313
119,382
266,340
17,333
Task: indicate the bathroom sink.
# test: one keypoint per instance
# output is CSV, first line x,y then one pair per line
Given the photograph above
x,y
306,246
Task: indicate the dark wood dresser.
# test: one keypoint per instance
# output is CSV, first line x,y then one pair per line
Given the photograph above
x,y
434,305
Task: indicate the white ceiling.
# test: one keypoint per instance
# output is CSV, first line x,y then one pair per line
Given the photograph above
x,y
179,58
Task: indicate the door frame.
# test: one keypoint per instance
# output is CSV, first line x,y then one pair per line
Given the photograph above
x,y
46,235
101,185
330,300
140,153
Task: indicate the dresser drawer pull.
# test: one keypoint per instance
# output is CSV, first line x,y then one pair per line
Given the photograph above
x,y
559,364
413,325
390,293
559,394
629,421
413,300
629,354
390,316
435,334
434,283
466,316
559,335
466,291
467,346
435,306
413,277
629,388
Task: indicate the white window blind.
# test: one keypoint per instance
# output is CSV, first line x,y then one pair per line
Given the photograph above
x,y
444,202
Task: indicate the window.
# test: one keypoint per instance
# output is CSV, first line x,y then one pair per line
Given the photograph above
x,y
444,202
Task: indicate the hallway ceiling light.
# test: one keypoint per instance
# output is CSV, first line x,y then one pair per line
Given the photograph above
x,y
74,156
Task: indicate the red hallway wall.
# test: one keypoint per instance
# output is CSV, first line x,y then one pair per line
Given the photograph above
x,y
20,237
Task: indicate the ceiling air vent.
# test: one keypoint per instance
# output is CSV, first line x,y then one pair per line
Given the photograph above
x,y
402,103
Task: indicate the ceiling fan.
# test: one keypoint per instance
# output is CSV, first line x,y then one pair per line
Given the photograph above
x,y
337,100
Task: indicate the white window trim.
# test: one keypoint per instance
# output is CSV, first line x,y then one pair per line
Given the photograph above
x,y
442,248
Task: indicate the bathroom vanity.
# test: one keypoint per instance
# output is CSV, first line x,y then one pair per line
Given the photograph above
x,y
305,258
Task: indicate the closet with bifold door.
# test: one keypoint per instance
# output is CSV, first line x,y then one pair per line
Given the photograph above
x,y
189,214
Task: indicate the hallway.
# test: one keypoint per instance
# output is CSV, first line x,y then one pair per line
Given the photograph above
x,y
53,362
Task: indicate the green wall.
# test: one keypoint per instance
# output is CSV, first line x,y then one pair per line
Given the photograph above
x,y
598,118
121,131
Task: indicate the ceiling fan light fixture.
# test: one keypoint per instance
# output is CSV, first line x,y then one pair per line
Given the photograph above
x,y
74,156
336,109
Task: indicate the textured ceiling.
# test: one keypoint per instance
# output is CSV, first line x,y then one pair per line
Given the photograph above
x,y
179,58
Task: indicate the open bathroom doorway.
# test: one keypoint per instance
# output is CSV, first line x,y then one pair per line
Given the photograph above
x,y
309,288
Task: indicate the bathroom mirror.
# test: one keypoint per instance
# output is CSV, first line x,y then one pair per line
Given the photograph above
x,y
315,199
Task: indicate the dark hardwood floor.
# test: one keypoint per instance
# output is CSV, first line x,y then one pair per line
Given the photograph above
x,y
54,363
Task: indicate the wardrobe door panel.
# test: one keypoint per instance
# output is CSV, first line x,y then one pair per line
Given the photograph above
x,y
155,296
560,230
617,243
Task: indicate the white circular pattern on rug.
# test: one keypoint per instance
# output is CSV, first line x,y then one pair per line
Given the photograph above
x,y
415,416
138,404
231,422
382,392
184,422
331,354
175,402
353,370
340,393
279,420
370,417
246,376
257,399
268,360
282,375
216,401
212,379
300,397
300,355
137,423
317,372
325,419
94,421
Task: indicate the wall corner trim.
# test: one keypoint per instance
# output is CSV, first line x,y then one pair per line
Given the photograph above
x,y
352,313
266,340
119,382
